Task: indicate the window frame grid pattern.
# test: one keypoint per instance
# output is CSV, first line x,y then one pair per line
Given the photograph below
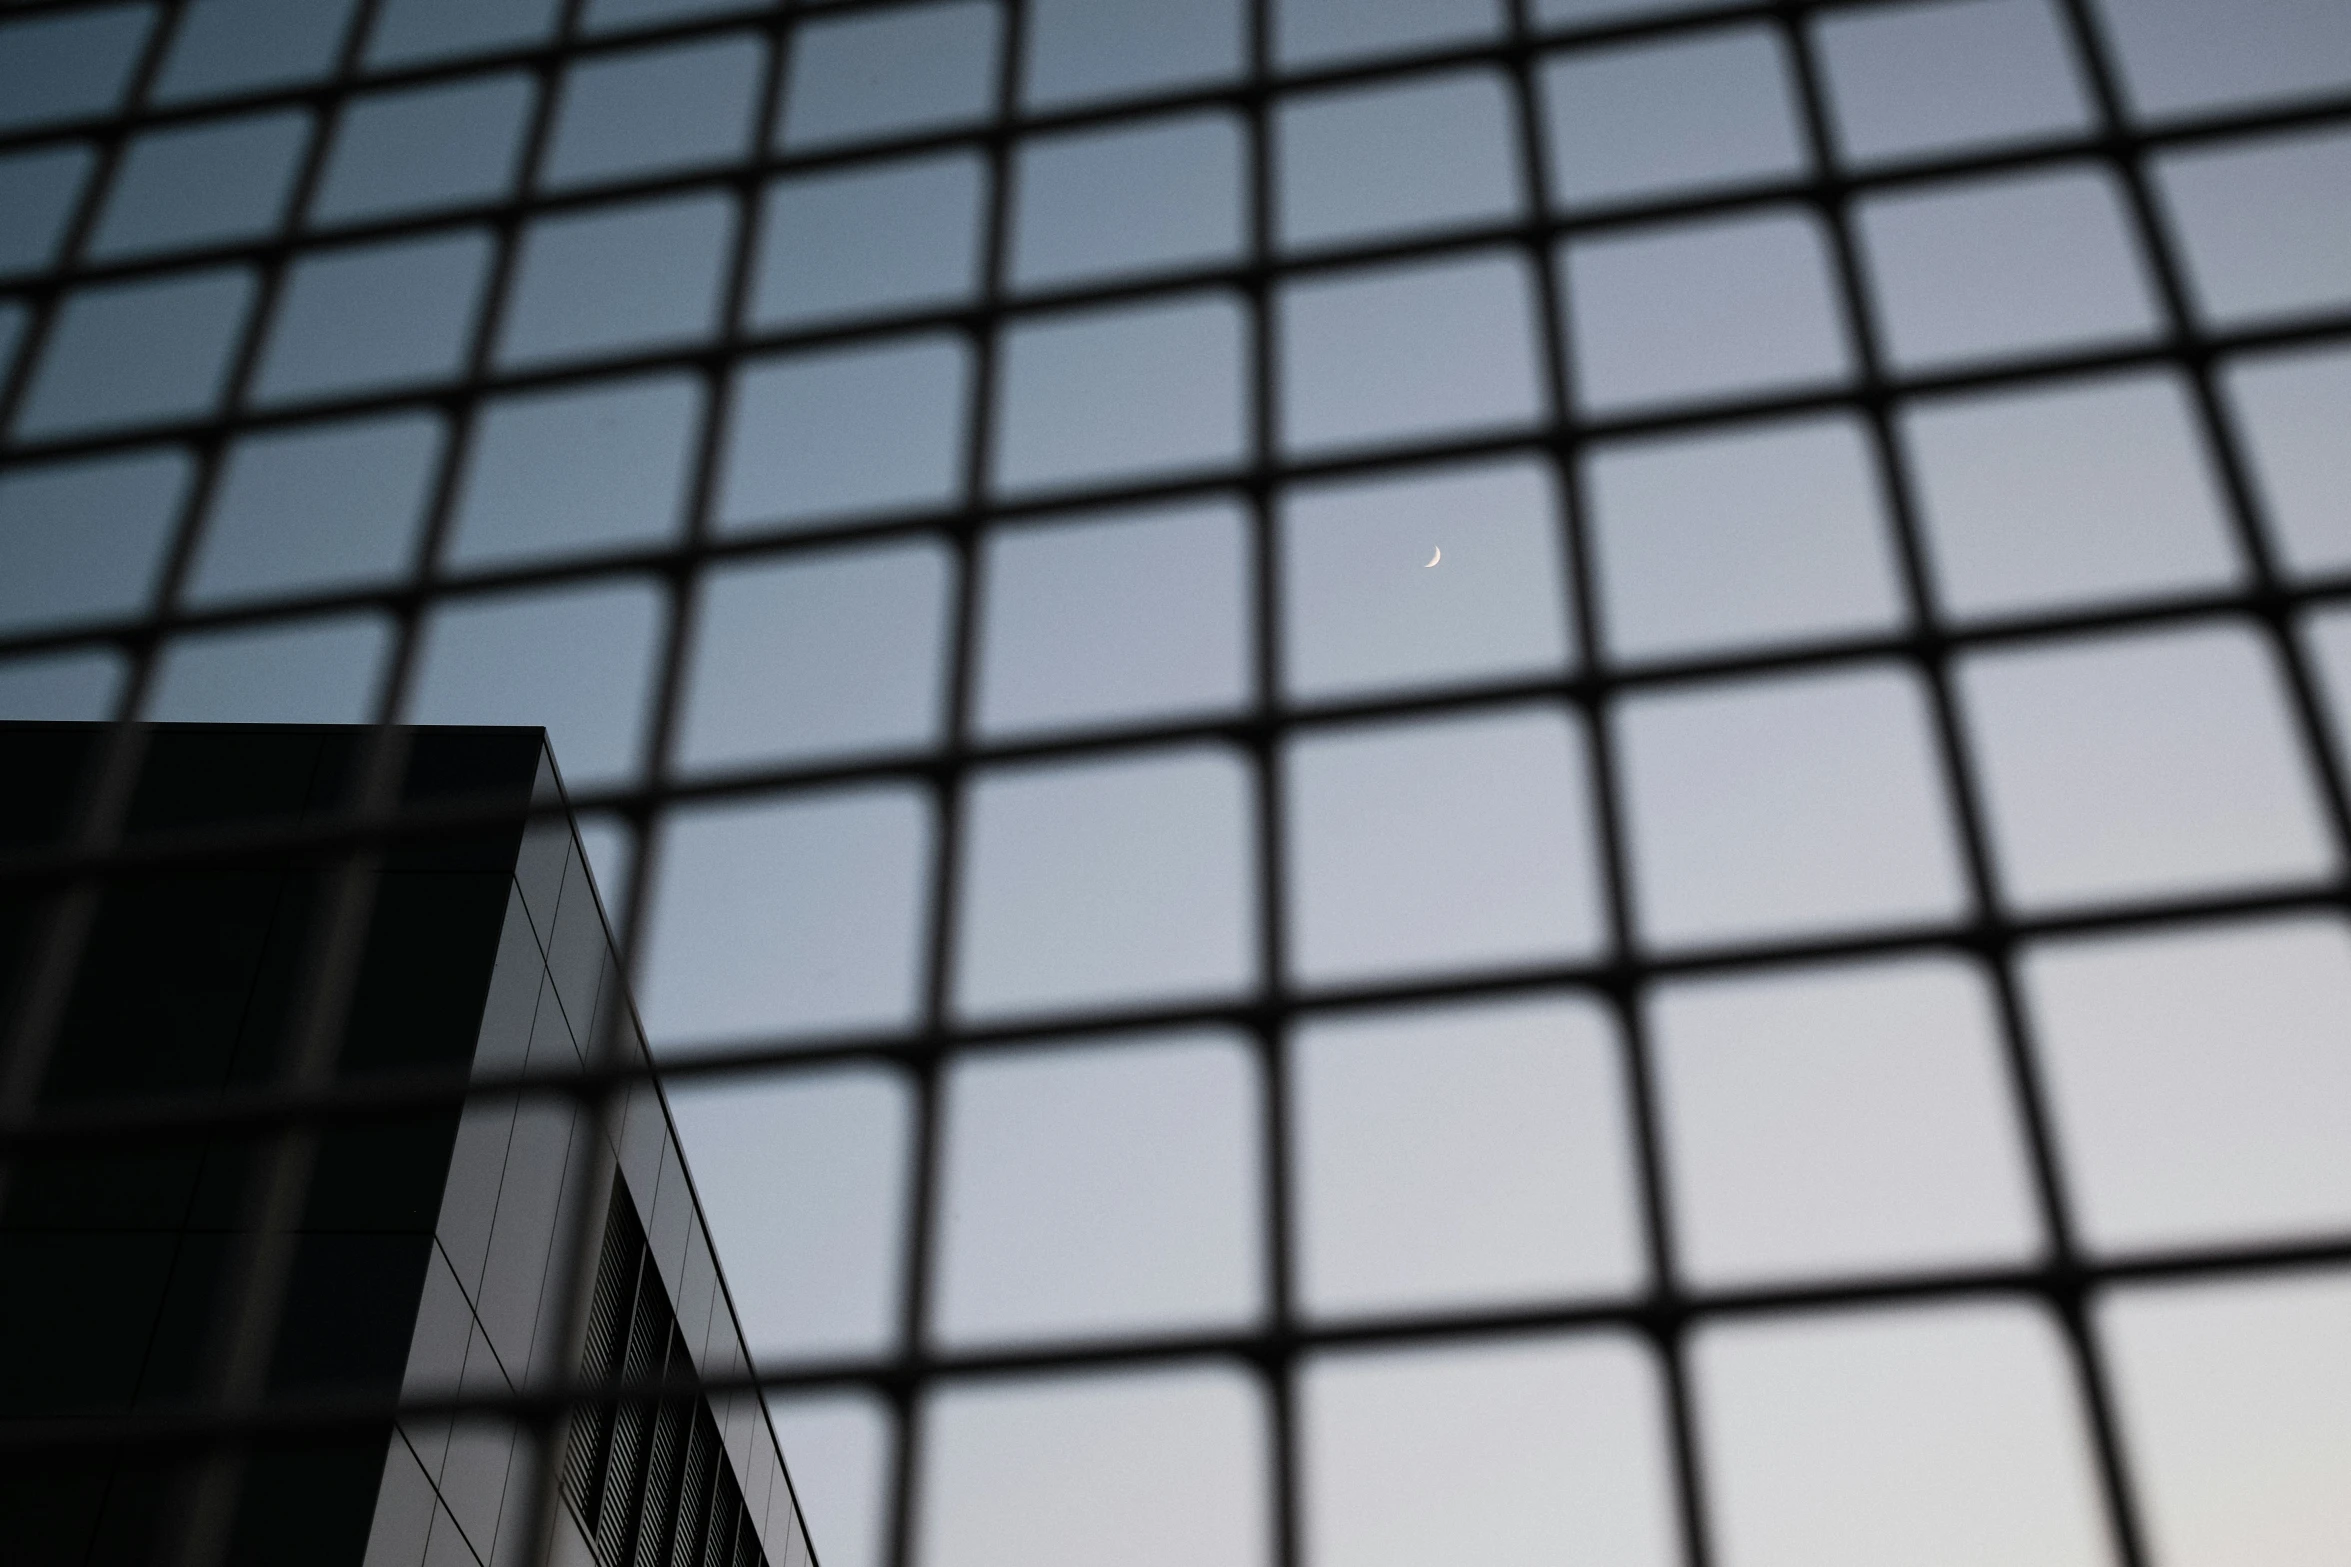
x,y
2064,1282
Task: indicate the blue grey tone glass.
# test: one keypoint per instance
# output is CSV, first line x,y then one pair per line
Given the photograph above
x,y
409,31
373,316
38,189
864,76
603,282
85,537
413,150
229,46
213,181
876,235
140,352
64,65
659,109
317,506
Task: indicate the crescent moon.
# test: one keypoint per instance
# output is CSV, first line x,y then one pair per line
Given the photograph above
x,y
1438,556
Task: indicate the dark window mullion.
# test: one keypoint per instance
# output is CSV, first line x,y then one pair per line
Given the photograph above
x,y
2062,1282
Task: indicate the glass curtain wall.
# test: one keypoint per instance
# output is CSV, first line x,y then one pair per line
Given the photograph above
x,y
1392,780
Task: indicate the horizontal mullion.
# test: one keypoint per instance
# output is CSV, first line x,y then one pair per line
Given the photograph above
x,y
1276,1347
712,359
1551,226
1237,91
1237,726
394,1096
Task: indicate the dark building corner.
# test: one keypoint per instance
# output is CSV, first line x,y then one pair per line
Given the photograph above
x,y
432,1250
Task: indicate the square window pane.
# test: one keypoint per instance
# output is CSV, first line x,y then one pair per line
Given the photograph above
x,y
410,151
407,31
819,655
1080,49
1116,392
1422,350
2185,54
803,1182
577,468
2037,262
1462,1156
1914,79
842,1445
2142,764
1314,32
2266,224
841,241
1082,1468
85,539
1110,617
1697,110
376,316
227,46
618,278
1364,608
1942,1436
2233,1397
1105,1190
131,353
1429,151
1430,846
651,110
2201,1080
1510,1453
1107,881
872,427
203,183
1712,308
2293,409
1143,194
39,190
62,65
789,916
79,685
575,659
318,671
1788,806
1763,533
317,506
1840,1122
903,69
2091,490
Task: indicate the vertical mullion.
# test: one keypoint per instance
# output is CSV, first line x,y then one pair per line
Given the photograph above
x,y
1277,1361
376,784
253,1289
690,562
2268,601
683,583
1666,1317
1994,939
950,791
58,279
28,1032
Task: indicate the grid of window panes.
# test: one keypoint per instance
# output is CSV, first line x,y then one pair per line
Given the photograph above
x,y
1395,779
